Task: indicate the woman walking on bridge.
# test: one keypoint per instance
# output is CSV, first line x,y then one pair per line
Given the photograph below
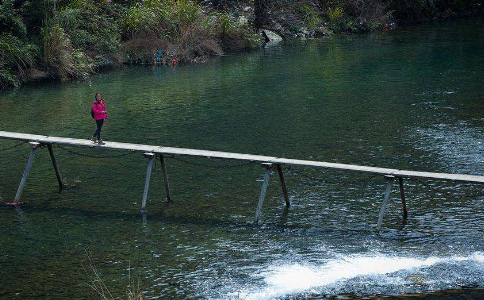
x,y
99,113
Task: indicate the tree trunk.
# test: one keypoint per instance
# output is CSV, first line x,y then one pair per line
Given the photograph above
x,y
260,11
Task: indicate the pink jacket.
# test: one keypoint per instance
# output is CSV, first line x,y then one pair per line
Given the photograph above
x,y
99,109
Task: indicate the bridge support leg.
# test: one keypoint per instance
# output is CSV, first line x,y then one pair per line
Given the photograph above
x,y
34,146
263,191
150,157
56,169
283,185
165,178
389,180
402,195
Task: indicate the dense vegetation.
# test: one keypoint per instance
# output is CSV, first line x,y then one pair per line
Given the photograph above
x,y
67,39
73,38
293,17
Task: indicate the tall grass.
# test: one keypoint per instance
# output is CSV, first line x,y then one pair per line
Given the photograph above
x,y
335,14
182,29
61,57
165,17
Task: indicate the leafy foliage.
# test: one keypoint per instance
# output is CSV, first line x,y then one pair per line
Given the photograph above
x,y
311,16
91,28
15,57
16,54
335,14
11,19
61,57
165,17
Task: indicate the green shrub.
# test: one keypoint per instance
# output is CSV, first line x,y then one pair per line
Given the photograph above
x,y
7,79
60,57
335,14
15,57
234,36
138,18
11,20
165,17
311,16
93,29
338,21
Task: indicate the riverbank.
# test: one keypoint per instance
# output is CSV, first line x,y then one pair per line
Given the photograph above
x,y
65,40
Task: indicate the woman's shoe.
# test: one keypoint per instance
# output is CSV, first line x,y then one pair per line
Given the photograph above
x,y
94,140
100,142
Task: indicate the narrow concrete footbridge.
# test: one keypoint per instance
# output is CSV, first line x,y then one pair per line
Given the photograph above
x,y
269,164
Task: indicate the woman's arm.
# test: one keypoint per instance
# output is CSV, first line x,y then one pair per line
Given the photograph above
x,y
104,110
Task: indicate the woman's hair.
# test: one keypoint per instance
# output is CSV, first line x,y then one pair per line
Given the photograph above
x,y
95,96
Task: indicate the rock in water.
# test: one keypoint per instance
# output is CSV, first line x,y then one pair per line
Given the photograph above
x,y
271,36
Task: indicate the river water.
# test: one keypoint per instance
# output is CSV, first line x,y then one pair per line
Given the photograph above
x,y
409,99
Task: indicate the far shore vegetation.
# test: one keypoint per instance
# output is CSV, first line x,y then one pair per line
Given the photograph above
x,y
71,39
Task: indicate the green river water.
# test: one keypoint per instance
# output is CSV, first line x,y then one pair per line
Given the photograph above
x,y
409,99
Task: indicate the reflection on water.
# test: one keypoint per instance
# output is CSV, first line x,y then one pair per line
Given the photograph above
x,y
409,99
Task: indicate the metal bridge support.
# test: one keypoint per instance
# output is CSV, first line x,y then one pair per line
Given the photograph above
x,y
283,185
34,146
150,157
402,195
389,180
56,169
165,178
263,191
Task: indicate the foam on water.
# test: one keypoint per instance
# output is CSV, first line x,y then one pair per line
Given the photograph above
x,y
384,271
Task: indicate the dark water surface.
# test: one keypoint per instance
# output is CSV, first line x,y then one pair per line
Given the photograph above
x,y
409,99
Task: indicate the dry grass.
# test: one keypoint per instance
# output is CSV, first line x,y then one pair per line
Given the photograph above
x,y
133,291
194,42
141,46
61,57
33,74
183,30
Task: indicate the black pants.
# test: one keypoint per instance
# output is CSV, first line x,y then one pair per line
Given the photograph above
x,y
97,133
